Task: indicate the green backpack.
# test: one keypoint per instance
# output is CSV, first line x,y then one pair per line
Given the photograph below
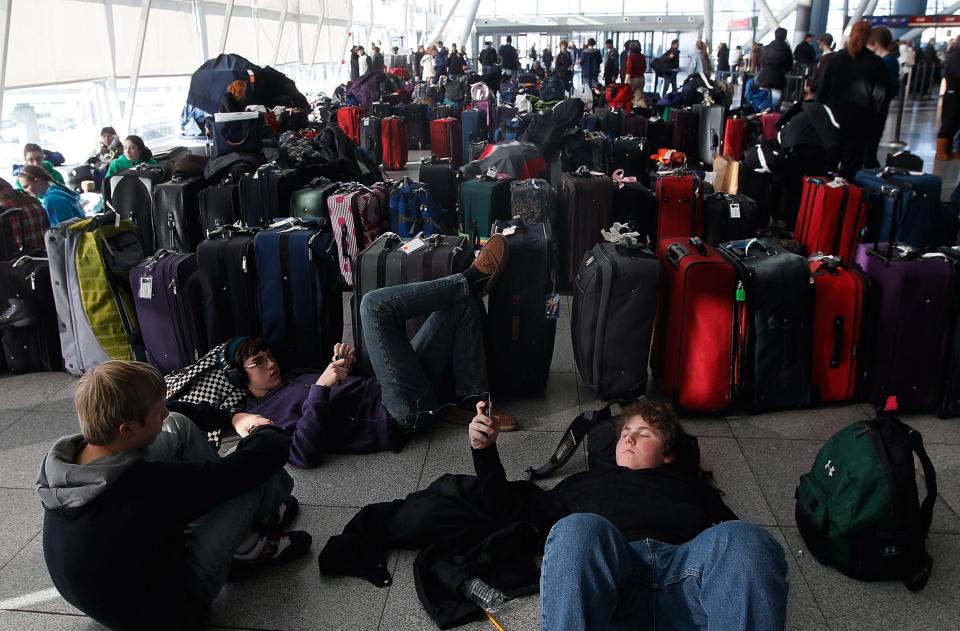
x,y
859,510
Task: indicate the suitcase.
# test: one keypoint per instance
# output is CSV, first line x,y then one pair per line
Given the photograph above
x,y
598,152
21,230
395,143
477,149
417,119
768,123
635,125
591,122
301,293
442,179
916,296
168,296
585,207
483,200
728,218
176,214
523,310
446,140
311,201
441,111
679,206
774,324
347,226
613,123
35,345
950,398
686,127
348,119
534,201
832,215
734,138
629,154
131,196
761,188
266,194
381,110
708,134
384,264
693,341
90,261
414,210
503,114
841,305
910,201
905,160
614,305
371,137
634,204
228,274
473,129
484,108
219,206
659,134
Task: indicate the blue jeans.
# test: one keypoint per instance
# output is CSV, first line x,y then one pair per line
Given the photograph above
x,y
212,539
410,371
730,577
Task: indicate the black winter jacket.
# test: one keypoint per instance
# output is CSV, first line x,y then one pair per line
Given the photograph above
x,y
775,62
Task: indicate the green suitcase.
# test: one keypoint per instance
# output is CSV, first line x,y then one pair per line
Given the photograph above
x,y
483,200
311,202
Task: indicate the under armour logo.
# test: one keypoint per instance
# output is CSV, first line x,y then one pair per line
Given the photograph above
x,y
830,468
890,551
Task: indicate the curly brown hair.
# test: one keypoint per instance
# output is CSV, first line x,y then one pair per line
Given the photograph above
x,y
659,415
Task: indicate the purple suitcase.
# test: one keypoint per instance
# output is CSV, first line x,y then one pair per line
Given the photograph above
x,y
168,297
915,290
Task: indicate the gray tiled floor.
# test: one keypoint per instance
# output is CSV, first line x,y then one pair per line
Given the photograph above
x,y
756,460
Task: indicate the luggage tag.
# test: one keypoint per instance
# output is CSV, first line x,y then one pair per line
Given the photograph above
x,y
553,306
146,287
735,210
509,231
412,245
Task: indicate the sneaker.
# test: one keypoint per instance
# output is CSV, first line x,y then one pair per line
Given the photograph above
x,y
458,416
286,513
491,260
270,550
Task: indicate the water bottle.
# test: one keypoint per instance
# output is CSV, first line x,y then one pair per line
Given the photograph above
x,y
484,596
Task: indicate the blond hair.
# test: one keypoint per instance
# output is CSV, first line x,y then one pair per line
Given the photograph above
x,y
113,393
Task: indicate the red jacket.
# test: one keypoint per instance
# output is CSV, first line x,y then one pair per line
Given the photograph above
x,y
636,64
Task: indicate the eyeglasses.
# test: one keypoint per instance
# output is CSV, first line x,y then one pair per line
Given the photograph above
x,y
260,362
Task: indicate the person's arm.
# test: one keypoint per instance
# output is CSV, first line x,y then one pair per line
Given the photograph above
x,y
206,416
191,489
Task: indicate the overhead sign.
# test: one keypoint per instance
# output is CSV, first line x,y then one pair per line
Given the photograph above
x,y
742,24
901,21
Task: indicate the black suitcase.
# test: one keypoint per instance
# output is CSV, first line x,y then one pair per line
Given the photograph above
x,y
381,109
598,158
613,123
659,135
762,188
176,214
440,176
728,218
709,132
33,345
524,308
371,138
131,197
265,195
417,118
774,324
228,274
629,154
219,206
905,160
614,306
384,264
686,126
636,205
586,202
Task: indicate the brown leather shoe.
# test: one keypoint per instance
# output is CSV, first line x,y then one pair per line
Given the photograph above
x,y
458,416
491,261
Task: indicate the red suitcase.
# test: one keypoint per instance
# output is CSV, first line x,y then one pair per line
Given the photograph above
x,y
768,121
693,339
832,215
348,119
679,206
734,138
840,304
394,142
445,140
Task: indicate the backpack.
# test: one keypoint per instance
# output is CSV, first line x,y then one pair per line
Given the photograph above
x,y
858,508
552,89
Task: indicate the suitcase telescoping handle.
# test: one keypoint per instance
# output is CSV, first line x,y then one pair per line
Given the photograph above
x,y
894,193
837,341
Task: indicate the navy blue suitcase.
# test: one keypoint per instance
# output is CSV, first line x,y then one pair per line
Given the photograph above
x,y
913,199
265,195
473,128
301,292
591,122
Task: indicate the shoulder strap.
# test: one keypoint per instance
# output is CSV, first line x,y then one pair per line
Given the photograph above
x,y
929,479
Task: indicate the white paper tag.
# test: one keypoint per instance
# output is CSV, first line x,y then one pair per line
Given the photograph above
x,y
492,172
116,220
412,245
838,183
146,287
734,211
508,231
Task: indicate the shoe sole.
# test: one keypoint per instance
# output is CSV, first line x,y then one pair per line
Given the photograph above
x,y
298,547
500,269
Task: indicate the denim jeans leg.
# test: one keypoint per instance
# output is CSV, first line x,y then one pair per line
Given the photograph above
x,y
731,576
408,393
590,577
453,338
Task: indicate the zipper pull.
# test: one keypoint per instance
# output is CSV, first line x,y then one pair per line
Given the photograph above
x,y
173,286
33,281
243,264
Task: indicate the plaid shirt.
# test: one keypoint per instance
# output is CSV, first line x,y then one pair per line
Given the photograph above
x,y
24,218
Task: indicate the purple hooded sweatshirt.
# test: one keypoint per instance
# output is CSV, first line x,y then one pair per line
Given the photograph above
x,y
347,418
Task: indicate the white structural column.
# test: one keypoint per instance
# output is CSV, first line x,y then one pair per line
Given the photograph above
x,y
772,20
112,97
5,7
856,17
783,15
227,17
707,21
137,59
283,21
348,34
200,15
438,29
316,40
468,25
917,32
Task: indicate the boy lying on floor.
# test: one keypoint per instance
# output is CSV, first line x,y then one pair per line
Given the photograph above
x,y
336,412
641,540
